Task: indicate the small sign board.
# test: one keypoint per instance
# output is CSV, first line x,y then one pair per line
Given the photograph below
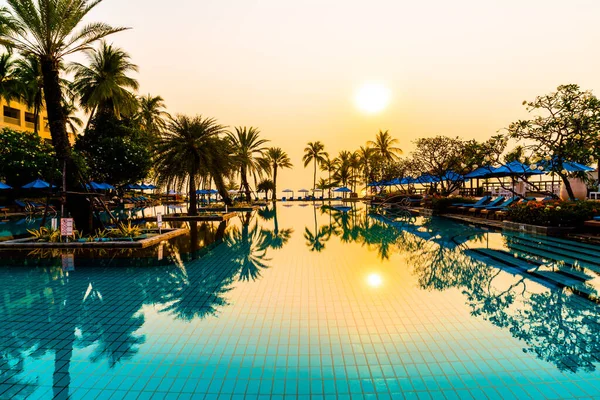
x,y
66,226
68,262
159,220
54,224
160,252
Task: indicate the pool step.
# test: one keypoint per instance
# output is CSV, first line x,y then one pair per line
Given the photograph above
x,y
557,277
570,245
590,264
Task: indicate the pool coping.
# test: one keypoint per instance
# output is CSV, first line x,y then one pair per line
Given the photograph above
x,y
197,218
28,243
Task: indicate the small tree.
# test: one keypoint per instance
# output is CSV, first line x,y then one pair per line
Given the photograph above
x,y
438,155
565,128
116,151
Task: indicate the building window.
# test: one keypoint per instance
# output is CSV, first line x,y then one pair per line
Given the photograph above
x,y
12,115
30,121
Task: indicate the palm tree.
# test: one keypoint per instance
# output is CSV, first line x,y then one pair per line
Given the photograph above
x,y
74,123
384,146
104,84
247,154
276,158
329,166
151,115
315,153
48,30
9,81
189,148
31,82
366,157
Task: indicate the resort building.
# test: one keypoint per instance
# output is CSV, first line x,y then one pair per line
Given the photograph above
x,y
17,116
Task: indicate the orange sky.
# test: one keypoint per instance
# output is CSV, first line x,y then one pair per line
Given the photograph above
x,y
292,67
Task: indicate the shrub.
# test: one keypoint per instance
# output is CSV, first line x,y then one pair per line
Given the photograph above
x,y
555,213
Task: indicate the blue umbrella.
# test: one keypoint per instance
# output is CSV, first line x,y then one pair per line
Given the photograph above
x,y
342,190
202,191
427,178
213,191
94,186
135,186
569,166
151,187
106,186
514,168
4,186
38,184
481,172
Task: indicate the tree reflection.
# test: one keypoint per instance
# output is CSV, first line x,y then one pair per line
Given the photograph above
x,y
61,311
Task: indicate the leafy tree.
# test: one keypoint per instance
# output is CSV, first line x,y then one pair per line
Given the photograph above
x,y
105,83
248,151
29,75
564,128
116,151
315,153
437,155
48,30
24,156
190,148
276,158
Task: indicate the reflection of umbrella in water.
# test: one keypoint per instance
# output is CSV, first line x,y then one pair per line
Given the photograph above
x,y
342,190
303,190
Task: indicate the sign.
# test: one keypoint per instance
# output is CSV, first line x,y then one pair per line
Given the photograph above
x,y
68,262
66,226
159,222
54,224
160,252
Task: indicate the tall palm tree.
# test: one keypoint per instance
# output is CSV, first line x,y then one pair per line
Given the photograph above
x,y
151,115
385,146
74,123
190,148
247,154
51,30
366,156
9,80
105,83
276,158
315,153
343,173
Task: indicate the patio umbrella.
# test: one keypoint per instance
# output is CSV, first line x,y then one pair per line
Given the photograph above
x,y
480,173
94,186
213,191
569,166
514,168
342,189
151,187
38,184
107,186
452,176
4,186
202,191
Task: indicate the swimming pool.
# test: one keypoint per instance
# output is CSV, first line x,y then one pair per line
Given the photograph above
x,y
306,301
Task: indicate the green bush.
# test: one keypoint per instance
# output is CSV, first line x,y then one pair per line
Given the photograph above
x,y
554,213
24,157
441,204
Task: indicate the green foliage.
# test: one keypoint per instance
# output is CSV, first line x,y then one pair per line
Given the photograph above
x,y
46,235
116,151
126,230
555,213
441,204
24,157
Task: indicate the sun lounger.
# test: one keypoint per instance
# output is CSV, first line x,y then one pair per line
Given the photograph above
x,y
479,202
494,203
490,210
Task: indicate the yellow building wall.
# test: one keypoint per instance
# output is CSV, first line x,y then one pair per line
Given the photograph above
x,y
19,121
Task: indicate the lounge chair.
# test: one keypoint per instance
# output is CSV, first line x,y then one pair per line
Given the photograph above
x,y
490,210
42,207
283,199
479,202
4,210
22,206
494,203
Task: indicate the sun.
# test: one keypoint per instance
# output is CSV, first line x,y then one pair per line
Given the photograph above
x,y
375,280
372,98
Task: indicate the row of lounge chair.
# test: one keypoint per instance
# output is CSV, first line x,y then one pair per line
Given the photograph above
x,y
488,207
308,198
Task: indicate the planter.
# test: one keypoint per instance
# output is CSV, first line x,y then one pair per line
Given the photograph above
x,y
579,189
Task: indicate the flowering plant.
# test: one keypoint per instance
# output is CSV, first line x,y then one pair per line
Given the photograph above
x,y
554,213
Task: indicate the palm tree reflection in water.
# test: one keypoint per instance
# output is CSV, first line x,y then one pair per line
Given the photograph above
x,y
102,313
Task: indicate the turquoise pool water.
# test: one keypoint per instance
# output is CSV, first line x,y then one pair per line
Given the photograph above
x,y
306,302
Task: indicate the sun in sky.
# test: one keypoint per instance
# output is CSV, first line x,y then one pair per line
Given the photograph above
x,y
372,98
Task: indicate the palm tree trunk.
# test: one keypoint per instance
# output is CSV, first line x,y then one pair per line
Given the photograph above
x,y
193,210
274,198
315,176
245,184
220,184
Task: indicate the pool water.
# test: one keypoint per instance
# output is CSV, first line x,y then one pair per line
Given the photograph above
x,y
306,301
